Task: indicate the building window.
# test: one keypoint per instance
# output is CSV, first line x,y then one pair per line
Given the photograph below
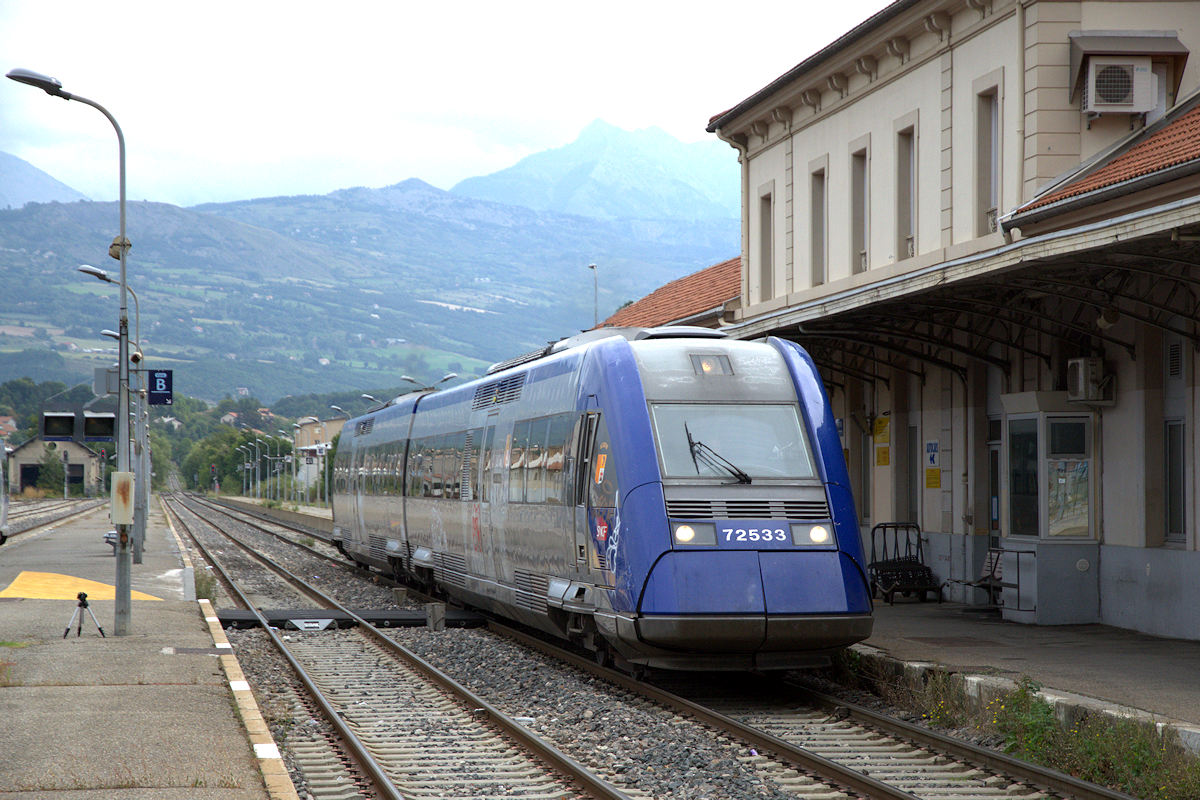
x,y
766,254
906,194
817,227
987,160
1023,496
1174,456
859,204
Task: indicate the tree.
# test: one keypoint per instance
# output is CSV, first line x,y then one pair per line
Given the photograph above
x,y
50,476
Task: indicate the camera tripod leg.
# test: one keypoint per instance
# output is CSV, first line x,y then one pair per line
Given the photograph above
x,y
93,616
74,615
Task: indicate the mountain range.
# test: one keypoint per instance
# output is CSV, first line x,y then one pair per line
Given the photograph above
x,y
21,183
290,295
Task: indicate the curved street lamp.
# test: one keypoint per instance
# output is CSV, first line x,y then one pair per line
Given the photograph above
x,y
123,596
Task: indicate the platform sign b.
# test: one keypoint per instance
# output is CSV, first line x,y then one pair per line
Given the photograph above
x,y
161,390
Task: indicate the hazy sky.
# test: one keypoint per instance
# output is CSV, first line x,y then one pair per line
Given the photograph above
x,y
228,100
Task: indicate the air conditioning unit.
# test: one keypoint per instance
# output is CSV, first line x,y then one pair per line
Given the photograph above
x,y
1088,383
1119,85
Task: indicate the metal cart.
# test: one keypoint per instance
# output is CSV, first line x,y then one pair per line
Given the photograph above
x,y
897,563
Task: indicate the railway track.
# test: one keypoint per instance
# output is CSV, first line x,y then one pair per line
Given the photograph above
x,y
408,730
806,744
32,515
846,742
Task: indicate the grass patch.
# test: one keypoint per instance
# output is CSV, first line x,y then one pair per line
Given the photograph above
x,y
1111,751
206,586
1124,754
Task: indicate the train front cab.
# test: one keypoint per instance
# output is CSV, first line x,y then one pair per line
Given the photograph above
x,y
757,562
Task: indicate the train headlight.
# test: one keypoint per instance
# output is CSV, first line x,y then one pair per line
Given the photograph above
x,y
694,533
811,534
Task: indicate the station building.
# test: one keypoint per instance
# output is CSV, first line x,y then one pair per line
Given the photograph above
x,y
83,465
982,219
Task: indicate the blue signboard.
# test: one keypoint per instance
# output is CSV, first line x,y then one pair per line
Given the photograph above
x,y
160,393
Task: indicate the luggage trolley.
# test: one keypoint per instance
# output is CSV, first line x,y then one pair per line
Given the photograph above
x,y
897,563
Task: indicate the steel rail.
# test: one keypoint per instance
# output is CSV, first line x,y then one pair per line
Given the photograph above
x,y
31,513
986,758
856,782
569,767
981,756
358,750
232,513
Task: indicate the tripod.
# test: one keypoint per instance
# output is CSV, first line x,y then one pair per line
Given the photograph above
x,y
78,615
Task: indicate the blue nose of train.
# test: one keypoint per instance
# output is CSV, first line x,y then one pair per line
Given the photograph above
x,y
745,601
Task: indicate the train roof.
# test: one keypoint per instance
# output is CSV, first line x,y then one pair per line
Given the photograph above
x,y
596,334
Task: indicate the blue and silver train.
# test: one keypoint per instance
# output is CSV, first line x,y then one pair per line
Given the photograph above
x,y
664,497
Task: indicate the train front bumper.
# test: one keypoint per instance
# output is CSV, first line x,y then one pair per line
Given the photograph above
x,y
769,609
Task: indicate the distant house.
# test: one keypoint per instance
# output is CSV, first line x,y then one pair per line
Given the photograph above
x,y
230,419
8,426
25,464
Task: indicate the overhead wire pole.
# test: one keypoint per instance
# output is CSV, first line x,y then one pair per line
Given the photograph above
x,y
122,487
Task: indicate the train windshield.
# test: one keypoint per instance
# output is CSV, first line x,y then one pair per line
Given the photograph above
x,y
738,442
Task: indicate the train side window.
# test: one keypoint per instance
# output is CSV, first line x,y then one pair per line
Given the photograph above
x,y
557,438
516,463
456,453
535,462
602,477
415,463
488,454
429,467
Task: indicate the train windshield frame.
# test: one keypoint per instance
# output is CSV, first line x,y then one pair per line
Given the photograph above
x,y
735,442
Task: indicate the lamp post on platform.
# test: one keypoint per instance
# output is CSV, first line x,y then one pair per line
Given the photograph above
x,y
141,418
243,455
595,296
123,596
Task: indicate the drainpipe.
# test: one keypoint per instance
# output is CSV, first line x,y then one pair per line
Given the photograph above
x,y
739,143
1020,105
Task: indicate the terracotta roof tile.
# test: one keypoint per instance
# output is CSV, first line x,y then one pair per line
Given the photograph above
x,y
685,297
1177,142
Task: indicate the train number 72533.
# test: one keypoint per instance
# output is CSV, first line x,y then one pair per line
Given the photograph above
x,y
755,534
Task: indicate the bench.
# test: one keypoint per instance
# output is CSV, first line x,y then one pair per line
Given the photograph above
x,y
991,577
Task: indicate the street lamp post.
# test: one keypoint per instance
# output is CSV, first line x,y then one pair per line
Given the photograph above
x,y
257,469
141,416
283,438
295,463
595,297
123,596
243,455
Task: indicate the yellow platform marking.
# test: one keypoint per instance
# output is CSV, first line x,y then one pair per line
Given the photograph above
x,y
52,586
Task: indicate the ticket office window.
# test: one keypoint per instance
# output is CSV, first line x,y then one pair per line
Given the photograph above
x,y
1049,476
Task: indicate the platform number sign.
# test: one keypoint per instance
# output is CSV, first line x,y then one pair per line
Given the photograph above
x,y
160,387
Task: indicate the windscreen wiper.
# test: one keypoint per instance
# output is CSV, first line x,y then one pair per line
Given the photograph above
x,y
703,454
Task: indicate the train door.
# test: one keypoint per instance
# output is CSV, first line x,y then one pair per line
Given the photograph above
x,y
491,488
585,435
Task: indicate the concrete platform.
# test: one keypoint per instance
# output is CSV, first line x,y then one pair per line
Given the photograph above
x,y
150,715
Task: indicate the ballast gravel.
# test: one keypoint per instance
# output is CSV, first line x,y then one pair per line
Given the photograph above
x,y
632,743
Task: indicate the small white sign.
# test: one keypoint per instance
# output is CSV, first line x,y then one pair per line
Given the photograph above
x,y
931,453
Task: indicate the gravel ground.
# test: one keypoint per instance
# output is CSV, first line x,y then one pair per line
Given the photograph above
x,y
634,744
